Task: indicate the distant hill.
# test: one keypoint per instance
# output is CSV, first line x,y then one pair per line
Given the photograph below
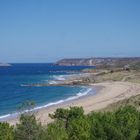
x,y
4,65
100,62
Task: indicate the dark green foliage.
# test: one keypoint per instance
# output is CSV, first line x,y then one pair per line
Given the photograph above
x,y
28,129
6,132
66,115
97,130
56,131
79,129
127,119
72,124
122,124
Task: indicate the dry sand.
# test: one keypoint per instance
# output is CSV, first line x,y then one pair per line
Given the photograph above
x,y
109,93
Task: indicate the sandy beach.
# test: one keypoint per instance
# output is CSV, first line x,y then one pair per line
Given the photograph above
x,y
109,92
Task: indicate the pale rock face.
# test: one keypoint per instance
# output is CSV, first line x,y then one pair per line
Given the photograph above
x,y
120,62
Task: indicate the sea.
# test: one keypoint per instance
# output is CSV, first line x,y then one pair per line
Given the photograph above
x,y
14,92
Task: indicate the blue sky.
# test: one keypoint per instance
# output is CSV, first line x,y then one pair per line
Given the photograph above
x,y
48,30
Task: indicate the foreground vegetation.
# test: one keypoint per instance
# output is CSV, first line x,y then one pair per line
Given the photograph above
x,y
72,124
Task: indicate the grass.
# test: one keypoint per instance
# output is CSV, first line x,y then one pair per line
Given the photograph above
x,y
133,101
129,76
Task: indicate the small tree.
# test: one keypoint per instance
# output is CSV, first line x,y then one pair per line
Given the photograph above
x,y
127,119
26,107
67,114
56,131
79,129
28,129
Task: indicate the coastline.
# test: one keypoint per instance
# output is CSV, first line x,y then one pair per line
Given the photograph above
x,y
88,91
107,93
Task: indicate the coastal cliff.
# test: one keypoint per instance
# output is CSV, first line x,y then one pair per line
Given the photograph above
x,y
100,62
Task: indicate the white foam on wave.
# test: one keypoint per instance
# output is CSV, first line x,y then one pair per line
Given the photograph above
x,y
78,95
59,77
5,116
52,82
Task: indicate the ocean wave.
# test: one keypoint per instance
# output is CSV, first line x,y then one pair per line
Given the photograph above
x,y
57,78
78,95
53,79
60,78
5,116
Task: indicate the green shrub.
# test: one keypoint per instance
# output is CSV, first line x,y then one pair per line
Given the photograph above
x,y
72,124
28,128
6,132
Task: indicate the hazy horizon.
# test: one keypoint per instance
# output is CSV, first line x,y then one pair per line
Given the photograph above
x,y
46,31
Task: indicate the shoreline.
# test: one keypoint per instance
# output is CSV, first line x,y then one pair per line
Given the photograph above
x,y
109,92
89,90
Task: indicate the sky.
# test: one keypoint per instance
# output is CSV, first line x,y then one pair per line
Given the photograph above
x,y
48,30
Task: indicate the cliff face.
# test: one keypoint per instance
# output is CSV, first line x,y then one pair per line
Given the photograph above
x,y
75,62
99,62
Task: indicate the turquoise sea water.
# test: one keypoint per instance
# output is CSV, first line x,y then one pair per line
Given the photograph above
x,y
13,93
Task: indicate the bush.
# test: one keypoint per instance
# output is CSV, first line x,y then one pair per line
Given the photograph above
x,y
72,124
56,131
28,128
6,132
